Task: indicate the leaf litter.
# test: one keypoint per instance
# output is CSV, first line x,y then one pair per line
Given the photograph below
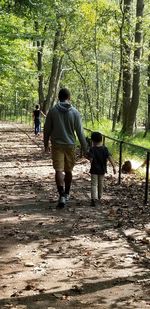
x,y
70,257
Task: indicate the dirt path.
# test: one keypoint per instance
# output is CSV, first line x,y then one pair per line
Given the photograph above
x,y
79,257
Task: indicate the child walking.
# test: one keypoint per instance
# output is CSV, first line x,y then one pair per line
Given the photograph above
x,y
37,119
98,155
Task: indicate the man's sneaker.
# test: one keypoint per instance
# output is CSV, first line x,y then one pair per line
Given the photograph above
x,y
62,201
67,197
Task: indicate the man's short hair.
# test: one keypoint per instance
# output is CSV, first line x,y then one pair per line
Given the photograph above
x,y
37,106
64,94
96,137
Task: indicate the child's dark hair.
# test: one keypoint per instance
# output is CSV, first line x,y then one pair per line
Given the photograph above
x,y
64,94
37,106
96,137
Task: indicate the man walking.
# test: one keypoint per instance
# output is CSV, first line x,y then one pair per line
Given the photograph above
x,y
63,121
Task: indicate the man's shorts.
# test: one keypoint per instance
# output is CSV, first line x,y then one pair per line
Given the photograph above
x,y
63,157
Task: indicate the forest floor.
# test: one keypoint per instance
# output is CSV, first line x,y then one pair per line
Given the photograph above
x,y
78,257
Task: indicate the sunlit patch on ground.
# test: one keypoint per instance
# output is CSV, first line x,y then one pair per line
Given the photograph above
x,y
77,257
135,164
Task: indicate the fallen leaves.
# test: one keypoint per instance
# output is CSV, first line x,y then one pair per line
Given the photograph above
x,y
77,248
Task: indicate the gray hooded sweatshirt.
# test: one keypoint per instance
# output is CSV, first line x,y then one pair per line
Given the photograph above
x,y
62,122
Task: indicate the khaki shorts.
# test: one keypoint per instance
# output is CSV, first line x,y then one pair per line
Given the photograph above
x,y
63,157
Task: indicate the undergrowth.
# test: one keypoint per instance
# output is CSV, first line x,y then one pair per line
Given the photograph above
x,y
135,154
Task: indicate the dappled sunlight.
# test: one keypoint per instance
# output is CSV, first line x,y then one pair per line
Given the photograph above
x,y
135,164
73,255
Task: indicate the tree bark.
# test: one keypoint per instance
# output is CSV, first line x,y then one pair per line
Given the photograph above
x,y
148,83
147,127
117,100
120,73
55,71
98,109
111,87
40,75
126,64
40,46
136,70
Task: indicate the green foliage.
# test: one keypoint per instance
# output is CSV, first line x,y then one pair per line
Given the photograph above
x,y
90,46
135,154
103,126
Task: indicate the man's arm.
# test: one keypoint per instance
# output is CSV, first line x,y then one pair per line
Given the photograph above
x,y
47,130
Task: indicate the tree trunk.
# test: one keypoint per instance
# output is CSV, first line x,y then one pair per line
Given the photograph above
x,y
111,87
148,83
40,45
136,70
40,75
117,101
115,115
147,127
55,71
98,110
126,64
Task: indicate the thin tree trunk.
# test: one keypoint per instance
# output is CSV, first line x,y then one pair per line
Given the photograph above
x,y
148,83
126,64
103,99
136,70
117,100
40,75
111,87
120,73
40,46
147,128
98,111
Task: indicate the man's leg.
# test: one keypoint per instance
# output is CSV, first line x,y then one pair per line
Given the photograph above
x,y
58,164
59,178
69,164
68,180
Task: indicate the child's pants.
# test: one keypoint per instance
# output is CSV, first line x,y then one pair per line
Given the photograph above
x,y
97,182
37,126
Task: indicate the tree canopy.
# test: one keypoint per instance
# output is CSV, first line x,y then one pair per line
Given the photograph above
x,y
98,49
